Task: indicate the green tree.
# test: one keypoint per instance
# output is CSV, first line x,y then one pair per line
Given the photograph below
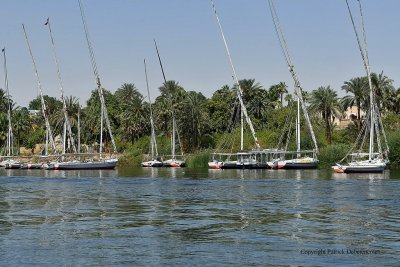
x,y
4,101
359,88
22,124
249,88
171,100
134,114
91,117
3,127
194,120
324,101
382,86
220,109
275,94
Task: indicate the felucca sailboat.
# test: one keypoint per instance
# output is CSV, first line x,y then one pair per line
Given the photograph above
x,y
299,159
173,161
8,162
101,163
361,161
154,162
49,133
245,160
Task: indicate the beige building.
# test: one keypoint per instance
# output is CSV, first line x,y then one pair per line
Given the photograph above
x,y
348,116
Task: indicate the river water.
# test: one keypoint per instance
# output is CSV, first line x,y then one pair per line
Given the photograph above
x,y
183,217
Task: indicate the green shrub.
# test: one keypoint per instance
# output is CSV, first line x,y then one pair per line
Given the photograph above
x,y
331,154
394,147
198,160
131,158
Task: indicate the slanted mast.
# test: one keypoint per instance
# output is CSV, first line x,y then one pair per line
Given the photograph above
x,y
375,123
174,128
153,139
297,86
10,132
49,134
239,91
67,124
104,112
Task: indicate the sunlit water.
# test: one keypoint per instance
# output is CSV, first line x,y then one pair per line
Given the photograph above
x,y
151,217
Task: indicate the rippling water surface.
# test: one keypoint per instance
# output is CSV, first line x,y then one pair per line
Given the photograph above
x,y
198,217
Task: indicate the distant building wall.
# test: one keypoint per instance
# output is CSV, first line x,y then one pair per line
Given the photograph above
x,y
348,117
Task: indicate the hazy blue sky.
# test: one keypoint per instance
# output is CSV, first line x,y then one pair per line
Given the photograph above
x,y
319,34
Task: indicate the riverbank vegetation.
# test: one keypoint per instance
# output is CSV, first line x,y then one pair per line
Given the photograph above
x,y
211,124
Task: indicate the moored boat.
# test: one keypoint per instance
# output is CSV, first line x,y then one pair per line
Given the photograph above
x,y
362,162
174,163
214,164
297,163
361,167
244,160
12,164
30,166
152,163
296,159
108,164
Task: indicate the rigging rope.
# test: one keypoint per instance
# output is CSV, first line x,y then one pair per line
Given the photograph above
x,y
375,118
44,108
289,134
288,120
240,91
68,124
96,74
10,147
360,133
166,85
153,133
285,51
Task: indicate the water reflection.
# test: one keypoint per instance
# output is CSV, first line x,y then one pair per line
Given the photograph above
x,y
186,217
369,176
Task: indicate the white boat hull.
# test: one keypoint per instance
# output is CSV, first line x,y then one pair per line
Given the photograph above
x,y
360,167
215,164
152,163
300,163
78,165
174,163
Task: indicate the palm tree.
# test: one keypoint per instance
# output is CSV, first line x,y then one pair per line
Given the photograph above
x,y
382,86
21,123
393,101
359,88
3,127
324,101
260,105
4,101
91,116
220,108
249,88
279,89
169,102
194,119
133,113
276,93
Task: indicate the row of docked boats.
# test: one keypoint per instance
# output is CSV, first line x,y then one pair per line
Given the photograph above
x,y
265,159
62,160
280,158
155,160
106,164
171,163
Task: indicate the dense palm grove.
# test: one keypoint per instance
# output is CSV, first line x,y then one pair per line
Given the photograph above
x,y
211,123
